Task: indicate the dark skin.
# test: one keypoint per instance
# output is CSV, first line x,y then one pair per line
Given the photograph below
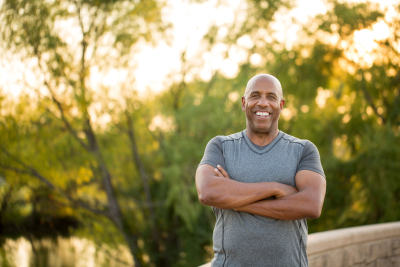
x,y
265,97
262,105
216,190
306,203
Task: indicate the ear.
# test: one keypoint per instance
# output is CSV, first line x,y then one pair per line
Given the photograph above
x,y
243,103
281,104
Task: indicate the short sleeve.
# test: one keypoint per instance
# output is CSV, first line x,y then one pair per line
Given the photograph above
x,y
310,159
213,154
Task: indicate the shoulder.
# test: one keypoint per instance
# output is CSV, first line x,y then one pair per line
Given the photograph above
x,y
295,141
305,146
310,149
216,140
226,138
310,159
214,144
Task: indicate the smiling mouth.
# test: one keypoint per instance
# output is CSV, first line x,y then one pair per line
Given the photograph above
x,y
262,114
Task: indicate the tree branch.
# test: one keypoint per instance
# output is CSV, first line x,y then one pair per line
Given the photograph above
x,y
29,170
66,122
140,166
59,106
369,98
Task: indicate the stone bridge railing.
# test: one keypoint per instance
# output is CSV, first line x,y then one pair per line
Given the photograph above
x,y
375,245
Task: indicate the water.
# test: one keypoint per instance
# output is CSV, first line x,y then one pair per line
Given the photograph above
x,y
61,252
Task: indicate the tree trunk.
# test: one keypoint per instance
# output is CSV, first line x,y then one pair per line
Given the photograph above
x,y
143,175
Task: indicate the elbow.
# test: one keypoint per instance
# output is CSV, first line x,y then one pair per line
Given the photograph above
x,y
205,191
207,194
315,212
205,198
210,198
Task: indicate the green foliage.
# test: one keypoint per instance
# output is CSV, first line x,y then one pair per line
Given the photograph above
x,y
349,109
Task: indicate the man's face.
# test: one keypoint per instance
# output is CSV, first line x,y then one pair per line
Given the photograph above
x,y
263,105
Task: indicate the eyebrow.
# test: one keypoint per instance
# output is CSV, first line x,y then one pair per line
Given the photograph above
x,y
258,92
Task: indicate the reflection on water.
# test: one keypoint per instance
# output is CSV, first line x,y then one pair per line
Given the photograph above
x,y
61,252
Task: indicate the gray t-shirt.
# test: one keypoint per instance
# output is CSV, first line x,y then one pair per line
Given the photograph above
x,y
309,160
244,239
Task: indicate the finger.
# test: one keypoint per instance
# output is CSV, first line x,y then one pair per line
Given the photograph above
x,y
222,170
218,173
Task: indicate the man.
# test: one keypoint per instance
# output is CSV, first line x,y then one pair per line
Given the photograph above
x,y
262,185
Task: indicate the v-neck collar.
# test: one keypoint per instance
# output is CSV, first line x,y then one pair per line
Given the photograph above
x,y
267,147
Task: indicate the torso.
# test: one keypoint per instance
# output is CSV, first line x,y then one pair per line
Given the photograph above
x,y
244,239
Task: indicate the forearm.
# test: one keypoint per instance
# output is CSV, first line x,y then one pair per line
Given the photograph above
x,y
229,194
293,207
306,204
215,188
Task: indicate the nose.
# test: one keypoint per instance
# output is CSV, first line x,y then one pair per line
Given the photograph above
x,y
263,102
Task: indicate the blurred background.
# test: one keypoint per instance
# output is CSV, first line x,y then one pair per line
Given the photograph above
x,y
106,107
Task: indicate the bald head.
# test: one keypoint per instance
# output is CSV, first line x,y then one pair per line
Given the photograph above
x,y
263,78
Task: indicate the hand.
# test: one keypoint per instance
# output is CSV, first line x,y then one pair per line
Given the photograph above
x,y
285,190
220,172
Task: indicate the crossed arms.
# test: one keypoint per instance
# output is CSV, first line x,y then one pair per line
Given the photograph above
x,y
215,188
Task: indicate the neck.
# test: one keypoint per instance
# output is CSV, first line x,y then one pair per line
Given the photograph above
x,y
262,139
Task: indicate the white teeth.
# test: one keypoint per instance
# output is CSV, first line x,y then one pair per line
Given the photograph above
x,y
264,114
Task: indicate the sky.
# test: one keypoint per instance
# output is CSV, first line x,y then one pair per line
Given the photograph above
x,y
191,22
159,66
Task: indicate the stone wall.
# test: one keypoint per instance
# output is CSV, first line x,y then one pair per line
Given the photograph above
x,y
372,245
375,245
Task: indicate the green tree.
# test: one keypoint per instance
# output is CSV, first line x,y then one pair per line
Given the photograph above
x,y
59,120
345,100
137,170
